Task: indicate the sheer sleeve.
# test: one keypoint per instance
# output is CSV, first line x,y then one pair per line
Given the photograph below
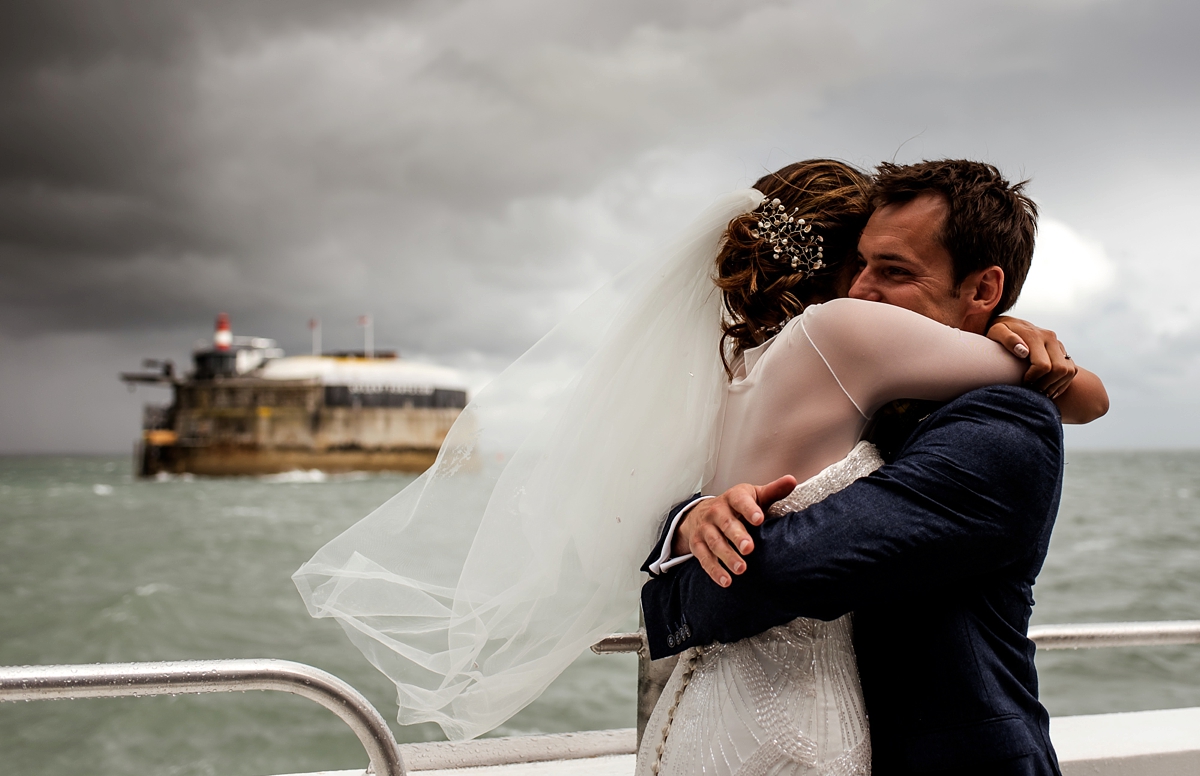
x,y
879,353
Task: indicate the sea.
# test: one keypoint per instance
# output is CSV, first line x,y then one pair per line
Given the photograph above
x,y
99,566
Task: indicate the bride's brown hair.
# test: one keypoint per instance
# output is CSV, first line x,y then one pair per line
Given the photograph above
x,y
761,291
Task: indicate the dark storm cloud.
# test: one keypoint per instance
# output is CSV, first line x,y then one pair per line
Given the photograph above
x,y
98,150
467,171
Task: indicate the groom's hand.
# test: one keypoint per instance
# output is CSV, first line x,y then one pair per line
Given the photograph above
x,y
713,531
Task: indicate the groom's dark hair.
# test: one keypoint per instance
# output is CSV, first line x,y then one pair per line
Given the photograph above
x,y
991,222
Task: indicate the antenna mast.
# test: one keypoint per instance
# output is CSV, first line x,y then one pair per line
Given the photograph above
x,y
368,335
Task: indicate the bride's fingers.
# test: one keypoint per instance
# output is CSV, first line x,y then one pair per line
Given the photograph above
x,y
1056,390
1060,373
1011,341
1039,365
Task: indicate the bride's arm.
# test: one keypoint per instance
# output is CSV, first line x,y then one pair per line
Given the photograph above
x,y
1083,400
880,353
1078,393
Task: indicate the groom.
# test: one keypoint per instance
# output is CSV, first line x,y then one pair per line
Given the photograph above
x,y
937,552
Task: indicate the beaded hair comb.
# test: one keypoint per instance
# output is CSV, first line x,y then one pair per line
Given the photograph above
x,y
791,236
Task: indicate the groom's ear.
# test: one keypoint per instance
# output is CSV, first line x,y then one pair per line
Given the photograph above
x,y
978,295
981,292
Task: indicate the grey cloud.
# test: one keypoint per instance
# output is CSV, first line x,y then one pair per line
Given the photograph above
x,y
467,171
267,155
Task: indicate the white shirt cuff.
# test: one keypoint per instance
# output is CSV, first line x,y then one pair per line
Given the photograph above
x,y
665,561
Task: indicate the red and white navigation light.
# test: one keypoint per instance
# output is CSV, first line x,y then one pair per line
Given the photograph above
x,y
223,336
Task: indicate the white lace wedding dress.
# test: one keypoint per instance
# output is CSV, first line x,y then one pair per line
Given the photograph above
x,y
786,702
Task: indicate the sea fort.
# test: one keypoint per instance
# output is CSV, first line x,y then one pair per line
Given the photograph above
x,y
246,408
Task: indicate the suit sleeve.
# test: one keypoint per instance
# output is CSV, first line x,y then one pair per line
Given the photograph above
x,y
971,493
657,553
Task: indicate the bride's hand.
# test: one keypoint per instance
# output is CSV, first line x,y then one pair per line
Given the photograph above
x,y
713,531
1051,370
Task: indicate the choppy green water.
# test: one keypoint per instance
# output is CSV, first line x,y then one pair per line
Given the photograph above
x,y
95,566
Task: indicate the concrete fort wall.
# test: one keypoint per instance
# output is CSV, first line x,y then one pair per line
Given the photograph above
x,y
256,427
225,460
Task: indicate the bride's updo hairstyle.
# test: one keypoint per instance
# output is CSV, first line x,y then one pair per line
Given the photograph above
x,y
762,287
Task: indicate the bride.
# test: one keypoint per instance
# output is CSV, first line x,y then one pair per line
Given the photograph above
x,y
477,585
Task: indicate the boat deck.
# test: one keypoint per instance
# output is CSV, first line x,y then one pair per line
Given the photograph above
x,y
611,765
1141,743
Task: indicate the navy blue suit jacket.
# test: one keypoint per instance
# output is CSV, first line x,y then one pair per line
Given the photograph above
x,y
936,553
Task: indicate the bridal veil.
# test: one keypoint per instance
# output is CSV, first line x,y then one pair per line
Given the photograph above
x,y
479,583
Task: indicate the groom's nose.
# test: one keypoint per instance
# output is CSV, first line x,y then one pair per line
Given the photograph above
x,y
865,287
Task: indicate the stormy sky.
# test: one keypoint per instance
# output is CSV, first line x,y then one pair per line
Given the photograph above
x,y
468,171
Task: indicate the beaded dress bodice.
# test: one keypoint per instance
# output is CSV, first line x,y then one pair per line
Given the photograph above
x,y
786,702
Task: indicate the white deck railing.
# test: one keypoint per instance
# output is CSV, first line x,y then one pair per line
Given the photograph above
x,y
114,680
1083,636
653,675
1116,634
109,680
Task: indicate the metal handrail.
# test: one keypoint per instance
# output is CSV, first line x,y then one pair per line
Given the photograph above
x,y
484,752
112,680
115,680
1116,634
616,643
653,674
1081,636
